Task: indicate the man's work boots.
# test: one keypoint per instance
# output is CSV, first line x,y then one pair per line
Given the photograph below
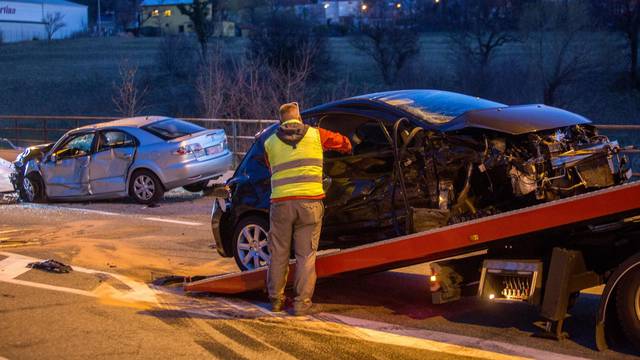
x,y
276,305
302,308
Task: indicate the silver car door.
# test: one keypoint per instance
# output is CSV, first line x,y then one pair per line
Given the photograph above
x,y
66,173
110,163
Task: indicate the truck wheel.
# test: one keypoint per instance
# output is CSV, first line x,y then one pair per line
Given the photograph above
x,y
628,306
145,187
32,189
250,248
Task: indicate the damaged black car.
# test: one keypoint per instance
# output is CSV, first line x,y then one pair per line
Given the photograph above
x,y
423,159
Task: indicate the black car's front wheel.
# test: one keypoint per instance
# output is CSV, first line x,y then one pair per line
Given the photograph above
x,y
145,187
250,248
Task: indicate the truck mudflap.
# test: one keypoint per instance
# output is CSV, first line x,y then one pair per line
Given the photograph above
x,y
446,241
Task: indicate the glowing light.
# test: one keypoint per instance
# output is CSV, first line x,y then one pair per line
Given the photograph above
x,y
436,1
433,278
398,6
492,296
326,5
364,7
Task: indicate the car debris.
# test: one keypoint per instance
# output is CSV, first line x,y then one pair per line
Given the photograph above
x,y
51,265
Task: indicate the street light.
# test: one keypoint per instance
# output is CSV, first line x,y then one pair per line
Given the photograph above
x,y
364,7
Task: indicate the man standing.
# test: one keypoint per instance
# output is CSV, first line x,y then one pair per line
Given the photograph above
x,y
294,154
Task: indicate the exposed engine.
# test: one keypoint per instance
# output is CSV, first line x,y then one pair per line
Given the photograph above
x,y
473,174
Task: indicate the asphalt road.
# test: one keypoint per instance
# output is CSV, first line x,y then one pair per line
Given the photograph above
x,y
106,307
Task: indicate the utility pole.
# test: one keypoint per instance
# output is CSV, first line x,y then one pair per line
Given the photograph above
x,y
99,20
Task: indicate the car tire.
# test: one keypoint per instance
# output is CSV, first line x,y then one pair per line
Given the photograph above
x,y
145,187
32,189
628,306
250,243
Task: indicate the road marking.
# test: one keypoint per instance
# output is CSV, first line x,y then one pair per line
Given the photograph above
x,y
107,213
188,223
54,207
15,265
383,332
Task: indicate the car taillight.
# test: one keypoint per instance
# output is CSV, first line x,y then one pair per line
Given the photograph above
x,y
182,150
188,149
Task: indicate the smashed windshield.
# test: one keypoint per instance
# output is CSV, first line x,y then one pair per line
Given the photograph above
x,y
435,107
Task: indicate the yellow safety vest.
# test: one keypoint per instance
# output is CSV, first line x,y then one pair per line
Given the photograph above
x,y
295,171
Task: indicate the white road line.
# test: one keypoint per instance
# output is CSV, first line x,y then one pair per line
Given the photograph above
x,y
188,223
379,331
54,207
107,213
15,265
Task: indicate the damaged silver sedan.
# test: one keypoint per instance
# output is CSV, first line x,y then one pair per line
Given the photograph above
x,y
139,157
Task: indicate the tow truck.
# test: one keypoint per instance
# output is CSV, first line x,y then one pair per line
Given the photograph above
x,y
543,254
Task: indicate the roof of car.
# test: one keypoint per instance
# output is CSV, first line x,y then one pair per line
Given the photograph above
x,y
135,122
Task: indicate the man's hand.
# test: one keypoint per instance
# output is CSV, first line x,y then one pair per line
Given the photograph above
x,y
355,139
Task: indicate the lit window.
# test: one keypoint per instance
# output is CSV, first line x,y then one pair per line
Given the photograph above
x,y
167,13
155,12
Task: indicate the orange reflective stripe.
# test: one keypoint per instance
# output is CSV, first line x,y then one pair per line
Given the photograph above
x,y
296,179
296,163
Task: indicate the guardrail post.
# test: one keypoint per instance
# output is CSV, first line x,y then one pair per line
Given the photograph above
x,y
234,131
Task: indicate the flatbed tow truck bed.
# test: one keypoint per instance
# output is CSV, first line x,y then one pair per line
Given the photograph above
x,y
445,241
554,273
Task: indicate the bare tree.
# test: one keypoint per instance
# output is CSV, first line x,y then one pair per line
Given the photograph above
x,y
482,29
389,46
176,56
129,96
212,85
560,57
53,22
201,13
624,17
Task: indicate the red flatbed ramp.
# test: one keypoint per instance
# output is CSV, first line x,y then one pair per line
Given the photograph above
x,y
437,243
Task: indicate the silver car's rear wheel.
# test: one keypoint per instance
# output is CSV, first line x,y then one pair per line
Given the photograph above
x,y
251,249
145,187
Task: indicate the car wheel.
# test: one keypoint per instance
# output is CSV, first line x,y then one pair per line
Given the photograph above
x,y
250,248
628,306
145,187
32,189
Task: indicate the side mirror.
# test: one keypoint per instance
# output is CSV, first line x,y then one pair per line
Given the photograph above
x,y
53,158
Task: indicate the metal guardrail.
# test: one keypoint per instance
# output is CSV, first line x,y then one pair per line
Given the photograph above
x,y
27,130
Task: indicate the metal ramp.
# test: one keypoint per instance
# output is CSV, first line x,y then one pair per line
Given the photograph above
x,y
445,241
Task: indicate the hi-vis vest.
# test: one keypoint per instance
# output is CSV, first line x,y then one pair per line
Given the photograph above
x,y
295,171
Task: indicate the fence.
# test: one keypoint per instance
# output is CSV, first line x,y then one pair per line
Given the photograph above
x,y
26,130
22,130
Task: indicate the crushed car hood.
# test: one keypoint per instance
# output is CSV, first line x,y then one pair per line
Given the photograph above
x,y
516,120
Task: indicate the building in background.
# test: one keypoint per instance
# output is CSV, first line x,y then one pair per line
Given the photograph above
x,y
22,20
163,17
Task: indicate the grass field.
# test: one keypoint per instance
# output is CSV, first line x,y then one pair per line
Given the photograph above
x,y
76,77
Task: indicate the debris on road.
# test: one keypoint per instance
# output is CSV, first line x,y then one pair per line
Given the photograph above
x,y
51,265
8,198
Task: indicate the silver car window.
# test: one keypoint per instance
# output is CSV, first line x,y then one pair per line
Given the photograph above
x,y
77,146
114,139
